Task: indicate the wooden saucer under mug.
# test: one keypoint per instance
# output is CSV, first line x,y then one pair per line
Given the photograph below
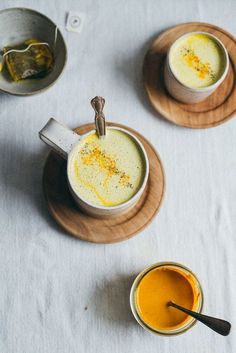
x,y
214,110
108,230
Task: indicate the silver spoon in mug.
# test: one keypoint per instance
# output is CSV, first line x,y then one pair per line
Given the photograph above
x,y
218,325
100,123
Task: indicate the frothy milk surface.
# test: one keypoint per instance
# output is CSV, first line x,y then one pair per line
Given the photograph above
x,y
107,171
197,60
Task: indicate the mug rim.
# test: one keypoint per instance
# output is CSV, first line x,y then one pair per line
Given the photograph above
x,y
220,79
141,188
135,313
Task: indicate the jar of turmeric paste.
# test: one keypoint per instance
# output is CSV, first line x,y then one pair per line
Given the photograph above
x,y
155,287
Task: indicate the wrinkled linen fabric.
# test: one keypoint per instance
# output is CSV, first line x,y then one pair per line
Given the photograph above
x,y
61,295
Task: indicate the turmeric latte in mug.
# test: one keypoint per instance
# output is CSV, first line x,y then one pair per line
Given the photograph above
x,y
197,60
155,287
107,171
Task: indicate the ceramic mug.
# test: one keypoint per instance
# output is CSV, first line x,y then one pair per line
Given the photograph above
x,y
187,94
63,141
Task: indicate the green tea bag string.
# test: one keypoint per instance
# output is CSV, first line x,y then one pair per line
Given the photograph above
x,y
55,37
100,123
24,50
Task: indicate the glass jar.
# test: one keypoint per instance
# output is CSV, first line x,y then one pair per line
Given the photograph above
x,y
198,305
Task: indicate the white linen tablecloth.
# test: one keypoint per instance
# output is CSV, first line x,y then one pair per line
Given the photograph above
x,y
59,294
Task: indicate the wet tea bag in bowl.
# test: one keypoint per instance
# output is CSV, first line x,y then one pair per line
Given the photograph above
x,y
39,49
30,59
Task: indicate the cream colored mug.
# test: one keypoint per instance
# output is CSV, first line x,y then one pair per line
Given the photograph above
x,y
64,141
186,94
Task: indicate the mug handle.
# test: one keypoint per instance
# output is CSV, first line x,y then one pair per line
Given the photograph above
x,y
59,137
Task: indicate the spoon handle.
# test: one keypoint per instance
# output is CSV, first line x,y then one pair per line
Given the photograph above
x,y
98,105
220,326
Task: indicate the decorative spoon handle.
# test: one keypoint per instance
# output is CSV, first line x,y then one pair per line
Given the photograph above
x,y
220,326
98,104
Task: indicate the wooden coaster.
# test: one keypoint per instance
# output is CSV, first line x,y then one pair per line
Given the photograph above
x,y
214,110
114,229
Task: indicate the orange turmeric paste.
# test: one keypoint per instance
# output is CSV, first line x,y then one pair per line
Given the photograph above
x,y
159,286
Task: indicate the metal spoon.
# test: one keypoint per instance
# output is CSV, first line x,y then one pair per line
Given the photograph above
x,y
98,104
220,326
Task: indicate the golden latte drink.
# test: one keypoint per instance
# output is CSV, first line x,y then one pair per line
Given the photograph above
x,y
107,171
197,60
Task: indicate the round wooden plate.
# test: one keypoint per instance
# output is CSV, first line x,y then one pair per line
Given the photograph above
x,y
215,109
114,229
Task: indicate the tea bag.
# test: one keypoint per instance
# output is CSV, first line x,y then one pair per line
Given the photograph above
x,y
30,59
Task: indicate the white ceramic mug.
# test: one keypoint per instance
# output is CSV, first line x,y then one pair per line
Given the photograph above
x,y
63,141
186,94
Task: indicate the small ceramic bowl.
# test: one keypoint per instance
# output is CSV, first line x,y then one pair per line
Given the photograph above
x,y
18,25
186,94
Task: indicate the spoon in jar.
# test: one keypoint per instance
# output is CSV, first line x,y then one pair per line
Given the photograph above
x,y
218,325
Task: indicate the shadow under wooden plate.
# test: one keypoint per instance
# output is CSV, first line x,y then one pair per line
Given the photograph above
x,y
214,110
109,230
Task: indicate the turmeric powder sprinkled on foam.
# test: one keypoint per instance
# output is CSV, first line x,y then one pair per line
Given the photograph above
x,y
92,154
193,61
